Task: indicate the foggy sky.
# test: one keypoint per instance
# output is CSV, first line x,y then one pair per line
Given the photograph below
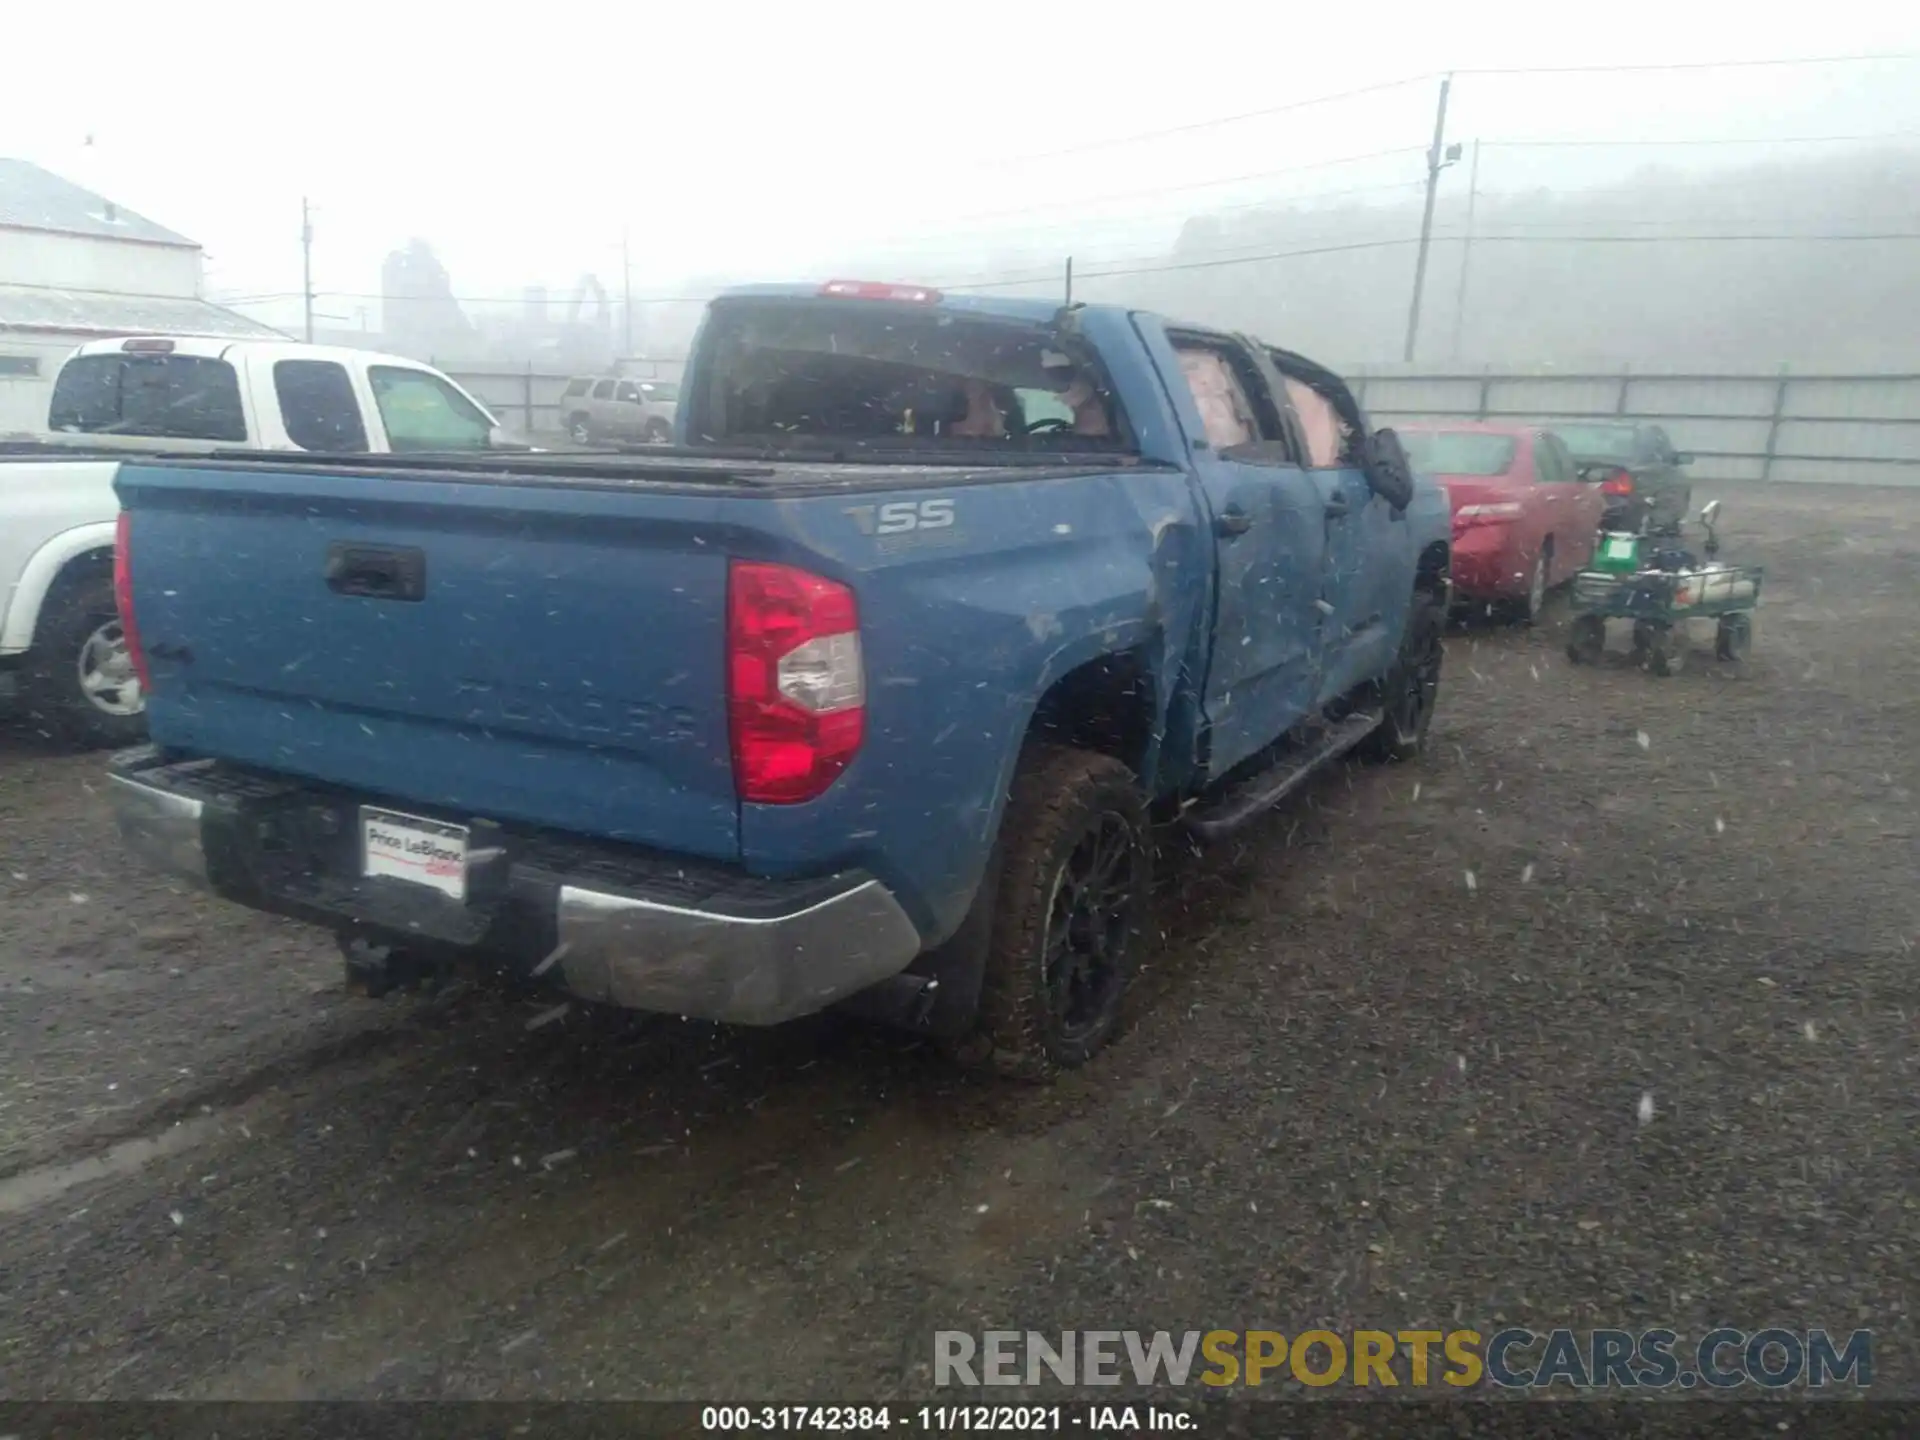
x,y
748,143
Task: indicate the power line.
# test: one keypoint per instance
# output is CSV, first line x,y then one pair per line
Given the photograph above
x,y
1306,103
990,214
218,303
1206,264
1277,202
1759,140
1283,204
1049,271
1215,262
1148,216
1195,184
1191,126
1524,230
1900,217
1893,57
1690,239
1280,202
1209,262
1084,234
1484,70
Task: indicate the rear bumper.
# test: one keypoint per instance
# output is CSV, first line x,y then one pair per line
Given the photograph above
x,y
1653,509
1624,513
607,922
1487,563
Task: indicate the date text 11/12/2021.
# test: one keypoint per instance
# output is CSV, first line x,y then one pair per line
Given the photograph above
x,y
944,1419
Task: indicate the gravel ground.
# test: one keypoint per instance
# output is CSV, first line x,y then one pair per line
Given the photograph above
x,y
1387,1068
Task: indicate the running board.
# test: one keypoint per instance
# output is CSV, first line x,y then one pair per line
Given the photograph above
x,y
1260,792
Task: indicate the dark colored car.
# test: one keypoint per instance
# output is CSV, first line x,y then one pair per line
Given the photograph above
x,y
1648,489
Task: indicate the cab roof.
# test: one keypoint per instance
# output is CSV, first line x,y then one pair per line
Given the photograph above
x,y
1517,429
209,347
1000,307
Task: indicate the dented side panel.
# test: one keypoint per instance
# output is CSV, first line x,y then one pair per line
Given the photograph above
x,y
964,628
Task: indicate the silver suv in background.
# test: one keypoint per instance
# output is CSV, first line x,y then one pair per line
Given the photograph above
x,y
596,408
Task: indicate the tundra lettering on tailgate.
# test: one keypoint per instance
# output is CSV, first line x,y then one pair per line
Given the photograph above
x,y
490,702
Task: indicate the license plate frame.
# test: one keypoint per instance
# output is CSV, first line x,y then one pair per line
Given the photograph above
x,y
416,850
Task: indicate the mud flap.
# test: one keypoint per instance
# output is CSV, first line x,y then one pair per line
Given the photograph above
x,y
939,993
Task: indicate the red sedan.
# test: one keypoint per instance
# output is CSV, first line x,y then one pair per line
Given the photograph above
x,y
1523,521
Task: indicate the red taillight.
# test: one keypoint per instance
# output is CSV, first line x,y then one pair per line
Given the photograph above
x,y
1500,512
879,290
796,687
1618,483
123,600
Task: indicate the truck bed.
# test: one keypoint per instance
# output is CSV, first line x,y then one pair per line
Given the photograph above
x,y
663,469
547,641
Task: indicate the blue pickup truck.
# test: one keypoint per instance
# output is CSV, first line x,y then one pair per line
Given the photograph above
x,y
872,691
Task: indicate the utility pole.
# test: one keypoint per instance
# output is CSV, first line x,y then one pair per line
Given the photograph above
x,y
1069,299
1466,254
306,262
1436,162
626,272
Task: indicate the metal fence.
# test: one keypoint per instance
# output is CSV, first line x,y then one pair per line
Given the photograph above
x,y
1811,428
1857,429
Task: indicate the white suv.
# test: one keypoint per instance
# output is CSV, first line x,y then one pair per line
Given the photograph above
x,y
596,408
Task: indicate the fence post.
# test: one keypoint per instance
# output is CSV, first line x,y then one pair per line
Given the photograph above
x,y
1486,388
1626,379
527,395
1773,423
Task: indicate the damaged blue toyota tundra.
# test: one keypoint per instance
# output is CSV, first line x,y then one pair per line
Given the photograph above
x,y
871,692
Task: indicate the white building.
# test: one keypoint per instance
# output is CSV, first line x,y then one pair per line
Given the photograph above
x,y
76,267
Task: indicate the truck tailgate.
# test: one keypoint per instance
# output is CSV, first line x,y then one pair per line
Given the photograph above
x,y
543,654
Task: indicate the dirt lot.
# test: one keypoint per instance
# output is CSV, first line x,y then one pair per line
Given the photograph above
x,y
1387,1067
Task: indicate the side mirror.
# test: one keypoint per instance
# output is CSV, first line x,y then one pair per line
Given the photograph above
x,y
1389,473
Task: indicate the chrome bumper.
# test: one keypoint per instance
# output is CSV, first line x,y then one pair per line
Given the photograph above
x,y
161,827
644,955
758,965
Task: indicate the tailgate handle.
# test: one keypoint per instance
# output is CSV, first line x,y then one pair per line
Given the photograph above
x,y
378,572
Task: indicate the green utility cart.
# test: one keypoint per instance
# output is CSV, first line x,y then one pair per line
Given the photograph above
x,y
1659,587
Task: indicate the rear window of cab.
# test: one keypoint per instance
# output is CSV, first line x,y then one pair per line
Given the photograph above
x,y
1459,452
805,373
177,397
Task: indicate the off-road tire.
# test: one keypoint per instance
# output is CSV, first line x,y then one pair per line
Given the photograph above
x,y
1061,798
1587,640
50,684
1664,651
658,432
1402,732
1734,636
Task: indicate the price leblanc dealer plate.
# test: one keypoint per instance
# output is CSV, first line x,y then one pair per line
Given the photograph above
x,y
414,849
